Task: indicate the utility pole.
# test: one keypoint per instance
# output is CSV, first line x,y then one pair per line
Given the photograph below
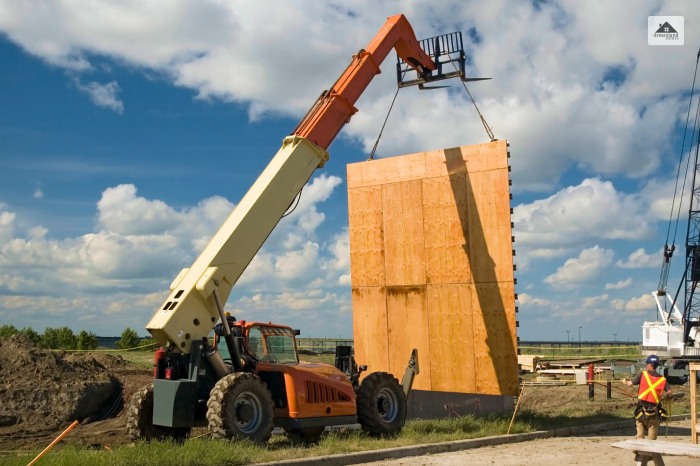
x,y
568,340
579,337
615,337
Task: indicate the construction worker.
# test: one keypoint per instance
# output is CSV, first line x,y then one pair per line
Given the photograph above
x,y
649,411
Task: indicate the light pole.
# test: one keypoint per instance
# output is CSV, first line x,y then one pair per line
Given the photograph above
x,y
568,340
615,337
579,337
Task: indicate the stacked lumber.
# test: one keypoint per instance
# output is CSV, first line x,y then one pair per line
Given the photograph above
x,y
528,362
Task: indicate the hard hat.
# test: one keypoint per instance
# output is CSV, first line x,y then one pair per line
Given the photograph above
x,y
653,359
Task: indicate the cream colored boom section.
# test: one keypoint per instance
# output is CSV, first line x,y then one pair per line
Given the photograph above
x,y
190,311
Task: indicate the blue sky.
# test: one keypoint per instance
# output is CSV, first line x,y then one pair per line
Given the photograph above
x,y
129,130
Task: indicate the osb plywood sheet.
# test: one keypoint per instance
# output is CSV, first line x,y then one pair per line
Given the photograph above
x,y
467,159
430,164
370,327
389,170
404,242
495,344
407,321
367,234
451,338
447,267
445,217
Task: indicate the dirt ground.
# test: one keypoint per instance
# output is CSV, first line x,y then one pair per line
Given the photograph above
x,y
42,392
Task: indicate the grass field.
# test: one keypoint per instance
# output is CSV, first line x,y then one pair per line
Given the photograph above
x,y
566,351
204,452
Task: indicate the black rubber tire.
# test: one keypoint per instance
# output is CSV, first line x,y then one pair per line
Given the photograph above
x,y
381,405
307,435
139,420
240,407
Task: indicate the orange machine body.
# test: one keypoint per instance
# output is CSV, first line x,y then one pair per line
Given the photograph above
x,y
300,390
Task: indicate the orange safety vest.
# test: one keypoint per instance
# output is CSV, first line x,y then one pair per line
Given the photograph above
x,y
650,388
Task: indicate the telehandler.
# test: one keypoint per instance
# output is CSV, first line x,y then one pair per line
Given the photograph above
x,y
247,379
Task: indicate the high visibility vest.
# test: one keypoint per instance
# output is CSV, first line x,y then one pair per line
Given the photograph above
x,y
650,388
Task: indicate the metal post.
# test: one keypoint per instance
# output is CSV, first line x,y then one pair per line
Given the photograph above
x,y
579,339
591,384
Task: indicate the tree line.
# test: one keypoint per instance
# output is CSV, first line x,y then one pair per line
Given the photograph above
x,y
64,338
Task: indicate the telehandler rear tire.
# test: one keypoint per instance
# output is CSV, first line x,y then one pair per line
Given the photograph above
x,y
139,420
240,407
381,405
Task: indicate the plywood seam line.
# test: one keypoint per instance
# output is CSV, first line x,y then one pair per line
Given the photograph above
x,y
384,265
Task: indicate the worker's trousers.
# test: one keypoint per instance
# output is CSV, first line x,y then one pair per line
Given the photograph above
x,y
650,424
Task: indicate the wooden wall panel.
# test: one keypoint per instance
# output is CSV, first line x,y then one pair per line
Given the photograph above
x,y
370,328
446,229
495,344
408,328
383,171
404,241
490,246
446,281
451,339
472,159
367,236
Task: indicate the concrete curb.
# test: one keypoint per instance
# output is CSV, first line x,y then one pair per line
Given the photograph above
x,y
456,445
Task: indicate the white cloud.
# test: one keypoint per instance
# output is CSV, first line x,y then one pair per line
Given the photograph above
x,y
619,285
665,199
300,224
526,300
140,244
297,265
595,302
639,259
581,270
576,215
103,95
7,224
122,212
613,115
638,305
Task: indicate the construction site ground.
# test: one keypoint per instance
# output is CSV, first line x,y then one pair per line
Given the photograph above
x,y
41,392
579,448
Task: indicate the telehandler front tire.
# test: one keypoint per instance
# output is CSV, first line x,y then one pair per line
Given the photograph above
x,y
381,405
240,407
